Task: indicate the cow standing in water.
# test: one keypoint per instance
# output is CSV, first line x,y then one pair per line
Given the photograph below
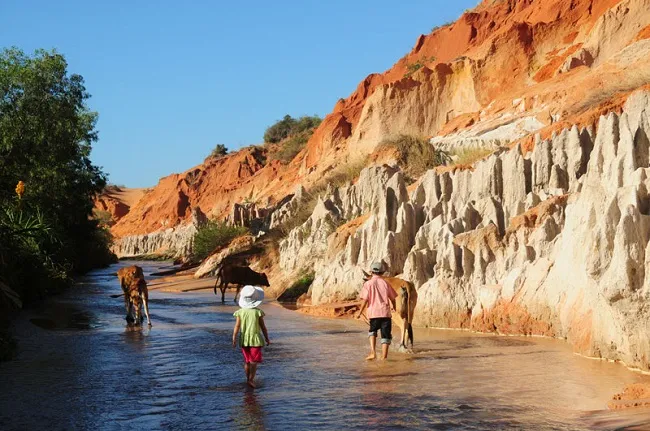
x,y
230,273
136,294
407,299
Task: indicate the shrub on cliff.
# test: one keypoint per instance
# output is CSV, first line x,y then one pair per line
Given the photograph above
x,y
416,155
292,146
219,151
212,235
292,135
47,181
290,126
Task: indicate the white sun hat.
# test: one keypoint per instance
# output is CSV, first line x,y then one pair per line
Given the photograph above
x,y
251,296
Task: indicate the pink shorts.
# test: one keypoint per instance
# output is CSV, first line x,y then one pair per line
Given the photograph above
x,y
252,354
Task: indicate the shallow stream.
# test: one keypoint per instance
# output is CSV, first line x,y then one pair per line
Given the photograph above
x,y
80,368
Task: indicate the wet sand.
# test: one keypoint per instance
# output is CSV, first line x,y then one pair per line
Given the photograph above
x,y
80,367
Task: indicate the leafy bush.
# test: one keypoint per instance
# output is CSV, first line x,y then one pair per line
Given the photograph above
x,y
292,134
26,244
212,235
290,126
292,146
416,155
298,288
219,151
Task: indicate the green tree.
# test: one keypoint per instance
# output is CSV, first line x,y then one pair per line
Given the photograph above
x,y
290,126
219,151
46,133
292,134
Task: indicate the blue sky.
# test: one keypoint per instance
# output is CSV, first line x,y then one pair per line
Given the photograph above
x,y
171,79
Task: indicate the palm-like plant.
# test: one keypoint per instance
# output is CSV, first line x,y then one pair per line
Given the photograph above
x,y
18,224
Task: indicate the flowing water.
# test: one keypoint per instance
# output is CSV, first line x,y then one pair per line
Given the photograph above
x,y
80,368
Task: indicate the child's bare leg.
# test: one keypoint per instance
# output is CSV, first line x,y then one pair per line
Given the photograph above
x,y
384,351
373,341
251,376
248,371
253,371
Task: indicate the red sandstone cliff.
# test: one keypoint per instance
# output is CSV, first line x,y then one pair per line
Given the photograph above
x,y
117,201
541,63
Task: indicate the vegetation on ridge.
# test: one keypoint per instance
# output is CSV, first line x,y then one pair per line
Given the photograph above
x,y
290,126
219,150
212,235
292,134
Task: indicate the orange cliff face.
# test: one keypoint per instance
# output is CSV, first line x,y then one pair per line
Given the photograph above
x,y
494,54
212,186
542,61
117,201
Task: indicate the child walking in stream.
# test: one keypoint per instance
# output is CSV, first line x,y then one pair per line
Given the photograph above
x,y
250,327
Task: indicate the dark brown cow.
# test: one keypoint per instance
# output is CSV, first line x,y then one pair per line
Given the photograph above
x,y
238,275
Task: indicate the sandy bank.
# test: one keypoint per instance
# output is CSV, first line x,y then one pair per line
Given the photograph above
x,y
181,282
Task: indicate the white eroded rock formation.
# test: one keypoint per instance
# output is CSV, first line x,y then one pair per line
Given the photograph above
x,y
176,241
554,242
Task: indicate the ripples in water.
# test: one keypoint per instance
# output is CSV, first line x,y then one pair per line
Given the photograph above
x,y
80,368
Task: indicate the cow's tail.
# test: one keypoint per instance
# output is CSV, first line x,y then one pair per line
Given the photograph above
x,y
409,327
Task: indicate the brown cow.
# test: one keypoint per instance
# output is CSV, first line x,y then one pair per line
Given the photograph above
x,y
136,294
407,299
239,275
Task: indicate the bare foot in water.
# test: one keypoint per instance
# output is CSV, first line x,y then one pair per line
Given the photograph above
x,y
370,357
251,384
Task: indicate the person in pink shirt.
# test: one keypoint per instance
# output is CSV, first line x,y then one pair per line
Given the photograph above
x,y
379,297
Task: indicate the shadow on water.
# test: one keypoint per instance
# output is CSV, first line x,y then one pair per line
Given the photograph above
x,y
63,316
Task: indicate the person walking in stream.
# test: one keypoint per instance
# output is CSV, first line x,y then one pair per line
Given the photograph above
x,y
379,297
250,327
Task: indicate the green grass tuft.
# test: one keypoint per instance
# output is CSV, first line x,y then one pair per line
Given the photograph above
x,y
416,155
298,288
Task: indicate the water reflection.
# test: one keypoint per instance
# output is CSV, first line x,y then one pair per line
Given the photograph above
x,y
183,374
136,337
249,415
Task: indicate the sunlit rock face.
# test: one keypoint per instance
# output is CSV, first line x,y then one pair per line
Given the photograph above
x,y
503,71
548,235
553,242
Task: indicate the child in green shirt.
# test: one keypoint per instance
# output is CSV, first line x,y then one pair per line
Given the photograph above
x,y
250,327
